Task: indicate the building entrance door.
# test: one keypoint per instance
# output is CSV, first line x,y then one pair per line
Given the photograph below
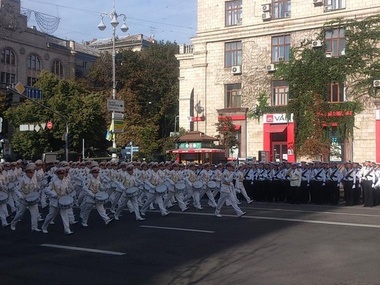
x,y
279,151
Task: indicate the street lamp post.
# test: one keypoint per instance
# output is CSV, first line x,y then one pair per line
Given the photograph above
x,y
124,28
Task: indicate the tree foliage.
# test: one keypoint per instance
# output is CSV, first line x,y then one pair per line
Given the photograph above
x,y
70,102
226,132
149,88
310,74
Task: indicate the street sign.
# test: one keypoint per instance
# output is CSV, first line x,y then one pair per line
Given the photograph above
x,y
114,105
49,125
20,88
118,126
34,93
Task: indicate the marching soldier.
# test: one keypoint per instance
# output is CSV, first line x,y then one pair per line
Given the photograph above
x,y
27,191
226,192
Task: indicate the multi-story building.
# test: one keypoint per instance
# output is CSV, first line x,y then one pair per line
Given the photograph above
x,y
130,42
25,51
232,59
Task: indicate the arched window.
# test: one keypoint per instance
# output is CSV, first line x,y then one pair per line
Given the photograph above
x,y
8,57
34,62
58,68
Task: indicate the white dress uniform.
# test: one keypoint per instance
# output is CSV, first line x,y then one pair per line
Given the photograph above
x,y
3,201
129,182
226,192
239,178
155,180
27,185
92,186
174,178
206,176
190,179
58,188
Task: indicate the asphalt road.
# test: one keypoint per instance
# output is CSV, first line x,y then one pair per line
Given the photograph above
x,y
272,244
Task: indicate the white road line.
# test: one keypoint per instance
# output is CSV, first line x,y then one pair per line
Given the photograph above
x,y
285,220
314,222
83,249
179,229
316,212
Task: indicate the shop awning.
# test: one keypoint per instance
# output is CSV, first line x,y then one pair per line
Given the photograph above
x,y
277,128
196,150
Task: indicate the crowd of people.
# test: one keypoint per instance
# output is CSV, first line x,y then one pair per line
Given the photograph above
x,y
137,187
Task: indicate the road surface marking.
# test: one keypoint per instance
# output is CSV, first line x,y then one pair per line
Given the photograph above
x,y
178,229
285,220
316,212
83,249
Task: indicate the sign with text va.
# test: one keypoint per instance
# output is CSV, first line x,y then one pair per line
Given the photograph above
x,y
277,118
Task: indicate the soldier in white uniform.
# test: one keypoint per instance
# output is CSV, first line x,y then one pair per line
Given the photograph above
x,y
3,200
27,191
129,182
239,178
91,187
57,189
226,191
175,178
153,182
206,175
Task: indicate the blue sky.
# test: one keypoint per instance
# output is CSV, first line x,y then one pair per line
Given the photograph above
x,y
168,20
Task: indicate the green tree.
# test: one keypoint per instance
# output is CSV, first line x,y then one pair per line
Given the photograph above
x,y
82,109
227,133
149,88
309,72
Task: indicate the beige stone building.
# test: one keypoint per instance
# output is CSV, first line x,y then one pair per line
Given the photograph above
x,y
230,62
25,51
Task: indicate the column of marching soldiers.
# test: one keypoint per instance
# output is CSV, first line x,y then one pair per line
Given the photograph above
x,y
111,187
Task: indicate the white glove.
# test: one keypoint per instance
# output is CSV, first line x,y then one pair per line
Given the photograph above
x,y
353,186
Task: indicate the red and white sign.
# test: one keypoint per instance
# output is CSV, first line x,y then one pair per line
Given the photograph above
x,y
277,118
49,125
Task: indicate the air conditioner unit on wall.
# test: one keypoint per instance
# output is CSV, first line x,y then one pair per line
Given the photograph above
x,y
316,44
376,83
236,69
266,16
327,8
317,2
271,67
266,7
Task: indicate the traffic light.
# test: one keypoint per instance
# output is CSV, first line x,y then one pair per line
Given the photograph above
x,y
8,99
69,139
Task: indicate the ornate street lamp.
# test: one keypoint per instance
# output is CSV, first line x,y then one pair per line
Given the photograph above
x,y
124,28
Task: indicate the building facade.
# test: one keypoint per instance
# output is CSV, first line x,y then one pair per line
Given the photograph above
x,y
25,51
231,62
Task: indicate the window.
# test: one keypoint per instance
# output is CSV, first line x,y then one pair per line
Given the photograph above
x,y
34,62
57,68
335,41
8,57
31,81
280,93
335,4
233,12
281,9
233,95
280,48
233,54
335,92
7,78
